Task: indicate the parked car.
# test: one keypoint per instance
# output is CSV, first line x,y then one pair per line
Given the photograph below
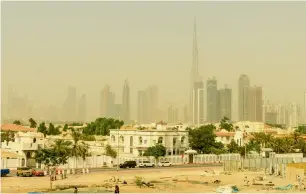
x,y
38,172
128,164
146,164
24,171
164,164
5,172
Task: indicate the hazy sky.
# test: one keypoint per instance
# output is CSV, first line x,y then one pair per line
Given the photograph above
x,y
48,46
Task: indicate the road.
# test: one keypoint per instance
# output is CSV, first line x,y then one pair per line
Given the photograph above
x,y
97,170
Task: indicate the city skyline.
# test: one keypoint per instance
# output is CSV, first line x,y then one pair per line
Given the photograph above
x,y
260,46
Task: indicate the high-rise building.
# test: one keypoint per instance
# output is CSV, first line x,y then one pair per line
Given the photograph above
x,y
243,102
255,104
198,103
282,114
142,106
212,114
82,109
126,102
225,103
107,102
152,98
70,104
294,115
194,74
173,114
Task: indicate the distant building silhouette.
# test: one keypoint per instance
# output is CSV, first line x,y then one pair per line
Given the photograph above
x,y
198,103
70,110
107,103
82,109
255,104
225,103
194,74
212,114
243,101
125,103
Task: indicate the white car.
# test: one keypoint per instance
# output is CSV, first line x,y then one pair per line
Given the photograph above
x,y
146,164
164,164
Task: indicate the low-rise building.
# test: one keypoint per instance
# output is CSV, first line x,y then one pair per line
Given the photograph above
x,y
226,137
136,139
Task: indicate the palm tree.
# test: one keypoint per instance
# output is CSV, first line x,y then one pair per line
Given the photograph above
x,y
296,136
79,148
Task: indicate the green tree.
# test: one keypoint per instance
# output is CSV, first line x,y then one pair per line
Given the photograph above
x,y
202,139
65,127
43,129
7,136
33,123
225,124
233,147
109,151
88,137
53,130
101,126
79,148
54,156
301,129
156,151
17,122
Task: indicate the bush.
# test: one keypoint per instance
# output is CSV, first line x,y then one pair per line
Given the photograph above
x,y
139,181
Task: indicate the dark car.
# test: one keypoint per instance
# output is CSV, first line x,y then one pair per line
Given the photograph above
x,y
128,164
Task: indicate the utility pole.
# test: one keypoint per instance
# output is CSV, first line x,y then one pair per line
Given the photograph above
x,y
118,147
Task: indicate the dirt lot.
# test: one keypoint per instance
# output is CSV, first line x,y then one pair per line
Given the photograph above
x,y
165,180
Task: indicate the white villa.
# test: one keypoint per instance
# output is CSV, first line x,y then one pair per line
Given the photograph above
x,y
133,141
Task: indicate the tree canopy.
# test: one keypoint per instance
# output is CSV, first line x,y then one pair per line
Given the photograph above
x,y
202,140
225,124
156,151
109,151
101,126
17,122
48,131
33,123
7,136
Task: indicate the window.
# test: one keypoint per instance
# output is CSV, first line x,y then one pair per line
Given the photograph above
x,y
160,140
131,141
121,139
183,140
113,138
131,150
140,140
145,141
174,141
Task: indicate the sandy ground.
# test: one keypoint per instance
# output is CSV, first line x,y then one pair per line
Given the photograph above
x,y
179,180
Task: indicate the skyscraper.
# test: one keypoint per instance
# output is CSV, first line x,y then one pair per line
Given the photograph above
x,y
126,102
282,114
194,69
142,107
198,103
173,113
255,104
152,99
212,101
225,103
82,109
107,101
243,102
294,115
